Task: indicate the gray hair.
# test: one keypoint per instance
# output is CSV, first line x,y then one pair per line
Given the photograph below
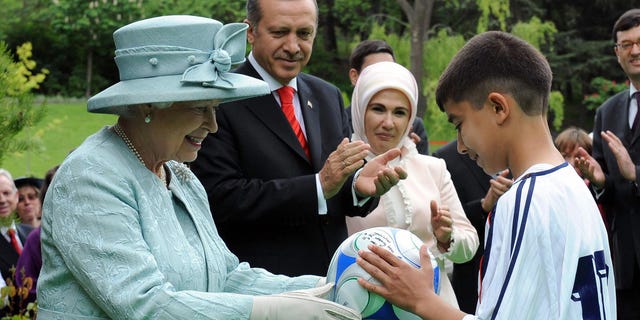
x,y
254,12
4,172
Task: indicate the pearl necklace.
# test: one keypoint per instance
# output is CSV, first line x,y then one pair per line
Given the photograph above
x,y
118,130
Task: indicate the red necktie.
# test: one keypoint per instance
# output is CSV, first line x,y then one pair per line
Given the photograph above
x,y
14,241
286,99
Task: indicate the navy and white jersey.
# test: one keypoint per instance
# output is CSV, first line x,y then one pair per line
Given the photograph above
x,y
546,251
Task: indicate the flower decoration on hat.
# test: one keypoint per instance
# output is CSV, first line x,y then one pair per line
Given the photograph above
x,y
229,50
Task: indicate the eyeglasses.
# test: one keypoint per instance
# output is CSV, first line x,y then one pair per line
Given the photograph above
x,y
627,45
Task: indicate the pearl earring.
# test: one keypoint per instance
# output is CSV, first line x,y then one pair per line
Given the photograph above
x,y
147,119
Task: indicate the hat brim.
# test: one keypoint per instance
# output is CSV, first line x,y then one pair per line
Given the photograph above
x,y
170,89
28,181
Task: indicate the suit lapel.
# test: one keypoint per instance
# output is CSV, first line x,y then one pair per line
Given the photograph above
x,y
635,136
311,116
267,111
621,123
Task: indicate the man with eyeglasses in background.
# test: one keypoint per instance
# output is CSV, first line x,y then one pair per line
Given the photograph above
x,y
614,166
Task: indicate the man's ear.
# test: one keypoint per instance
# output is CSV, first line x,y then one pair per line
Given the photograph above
x,y
500,106
250,31
353,75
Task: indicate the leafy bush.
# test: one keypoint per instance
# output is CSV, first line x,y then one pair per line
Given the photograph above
x,y
604,89
17,110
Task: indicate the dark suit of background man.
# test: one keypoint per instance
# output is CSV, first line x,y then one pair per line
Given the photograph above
x,y
266,195
474,189
617,182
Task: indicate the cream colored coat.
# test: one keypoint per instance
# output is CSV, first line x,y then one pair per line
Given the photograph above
x,y
406,206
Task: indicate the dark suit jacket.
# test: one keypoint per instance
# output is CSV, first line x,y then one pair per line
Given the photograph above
x,y
8,255
471,184
262,187
621,198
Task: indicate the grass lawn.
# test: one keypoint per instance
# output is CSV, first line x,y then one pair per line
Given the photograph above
x,y
64,127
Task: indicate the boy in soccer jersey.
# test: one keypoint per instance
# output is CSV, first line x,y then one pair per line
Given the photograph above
x,y
546,249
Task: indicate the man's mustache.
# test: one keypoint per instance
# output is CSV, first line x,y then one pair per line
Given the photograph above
x,y
295,57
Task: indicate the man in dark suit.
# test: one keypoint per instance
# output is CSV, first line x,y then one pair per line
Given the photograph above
x,y
614,168
10,248
276,204
478,193
367,53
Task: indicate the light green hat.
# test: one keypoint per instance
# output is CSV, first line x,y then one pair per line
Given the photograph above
x,y
177,58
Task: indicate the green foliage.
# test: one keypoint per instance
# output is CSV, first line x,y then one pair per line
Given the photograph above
x,y
498,8
439,50
8,11
356,17
17,111
401,44
93,22
6,221
224,11
556,106
24,80
604,89
536,32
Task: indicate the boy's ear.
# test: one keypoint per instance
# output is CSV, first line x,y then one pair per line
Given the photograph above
x,y
500,106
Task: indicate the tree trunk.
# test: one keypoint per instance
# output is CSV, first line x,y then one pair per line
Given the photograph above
x,y
419,17
327,23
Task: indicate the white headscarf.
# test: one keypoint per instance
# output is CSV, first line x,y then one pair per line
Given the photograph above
x,y
375,78
398,207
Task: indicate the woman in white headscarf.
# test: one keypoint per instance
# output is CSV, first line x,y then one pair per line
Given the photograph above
x,y
384,105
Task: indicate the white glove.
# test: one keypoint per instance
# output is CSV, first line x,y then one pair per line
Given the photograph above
x,y
300,305
321,282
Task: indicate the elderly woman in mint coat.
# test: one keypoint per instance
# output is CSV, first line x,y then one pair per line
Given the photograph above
x,y
127,231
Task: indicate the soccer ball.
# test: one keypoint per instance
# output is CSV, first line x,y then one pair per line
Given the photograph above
x,y
344,272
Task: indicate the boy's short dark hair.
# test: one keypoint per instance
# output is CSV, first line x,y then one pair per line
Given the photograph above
x,y
627,20
366,48
499,62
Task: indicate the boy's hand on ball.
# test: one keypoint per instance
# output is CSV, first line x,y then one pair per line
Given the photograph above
x,y
401,284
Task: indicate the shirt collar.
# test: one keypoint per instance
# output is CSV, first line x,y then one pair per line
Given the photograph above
x,y
271,81
632,90
4,229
